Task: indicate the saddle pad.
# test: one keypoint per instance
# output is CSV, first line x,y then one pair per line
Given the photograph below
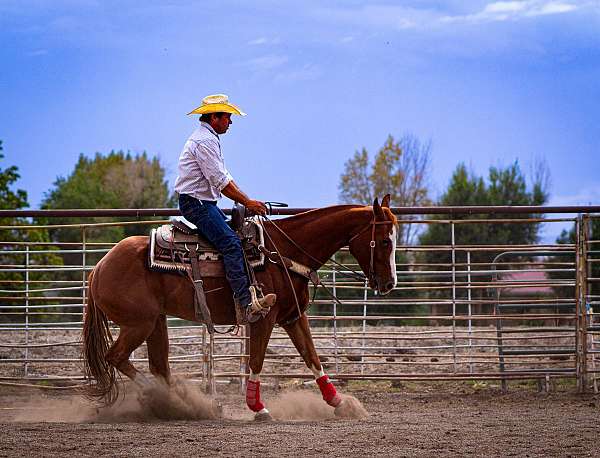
x,y
168,256
165,260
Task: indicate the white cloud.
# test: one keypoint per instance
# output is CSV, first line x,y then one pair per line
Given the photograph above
x,y
401,17
265,63
388,16
257,41
504,7
264,41
556,8
514,10
307,72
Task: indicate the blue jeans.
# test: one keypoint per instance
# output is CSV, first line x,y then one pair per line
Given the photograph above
x,y
210,221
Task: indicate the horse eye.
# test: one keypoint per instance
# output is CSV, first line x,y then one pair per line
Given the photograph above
x,y
385,242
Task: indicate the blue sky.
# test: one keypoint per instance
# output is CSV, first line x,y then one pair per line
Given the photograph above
x,y
487,82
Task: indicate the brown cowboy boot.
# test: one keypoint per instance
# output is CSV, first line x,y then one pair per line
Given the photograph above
x,y
259,307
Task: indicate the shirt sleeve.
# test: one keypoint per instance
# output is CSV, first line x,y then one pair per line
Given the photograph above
x,y
212,165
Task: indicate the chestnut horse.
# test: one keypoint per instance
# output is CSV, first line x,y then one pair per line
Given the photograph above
x,y
123,289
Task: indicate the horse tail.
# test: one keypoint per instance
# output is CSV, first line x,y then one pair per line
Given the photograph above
x,y
101,376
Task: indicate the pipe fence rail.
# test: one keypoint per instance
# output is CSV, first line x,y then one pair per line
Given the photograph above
x,y
460,311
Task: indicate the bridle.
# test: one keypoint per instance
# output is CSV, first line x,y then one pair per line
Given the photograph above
x,y
373,224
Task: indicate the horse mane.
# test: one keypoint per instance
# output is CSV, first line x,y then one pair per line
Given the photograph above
x,y
317,213
310,216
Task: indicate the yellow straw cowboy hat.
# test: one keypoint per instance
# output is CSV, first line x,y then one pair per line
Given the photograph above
x,y
217,103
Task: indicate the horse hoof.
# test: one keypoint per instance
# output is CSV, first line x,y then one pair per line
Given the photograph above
x,y
350,408
263,416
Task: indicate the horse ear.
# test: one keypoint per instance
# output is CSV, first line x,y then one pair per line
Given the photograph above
x,y
377,208
385,202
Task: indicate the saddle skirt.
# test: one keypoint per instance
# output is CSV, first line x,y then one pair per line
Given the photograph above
x,y
169,248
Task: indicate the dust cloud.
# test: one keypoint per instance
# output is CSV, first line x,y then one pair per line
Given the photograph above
x,y
182,400
308,406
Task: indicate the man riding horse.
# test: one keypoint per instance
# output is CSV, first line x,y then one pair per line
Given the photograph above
x,y
124,289
202,179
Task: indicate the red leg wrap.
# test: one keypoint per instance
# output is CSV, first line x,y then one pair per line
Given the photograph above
x,y
253,396
328,391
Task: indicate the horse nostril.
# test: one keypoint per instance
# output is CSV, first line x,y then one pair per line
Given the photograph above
x,y
389,286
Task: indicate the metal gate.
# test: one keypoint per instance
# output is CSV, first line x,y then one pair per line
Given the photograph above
x,y
489,313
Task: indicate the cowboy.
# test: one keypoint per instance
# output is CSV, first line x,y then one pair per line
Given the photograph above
x,y
202,179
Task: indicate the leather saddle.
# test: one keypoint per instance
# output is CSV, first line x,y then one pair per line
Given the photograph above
x,y
171,245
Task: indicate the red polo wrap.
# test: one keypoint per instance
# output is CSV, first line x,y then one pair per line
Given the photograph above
x,y
328,391
253,396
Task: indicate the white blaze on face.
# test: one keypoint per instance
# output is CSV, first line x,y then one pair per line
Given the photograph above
x,y
393,255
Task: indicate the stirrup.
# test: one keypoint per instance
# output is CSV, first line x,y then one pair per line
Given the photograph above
x,y
259,307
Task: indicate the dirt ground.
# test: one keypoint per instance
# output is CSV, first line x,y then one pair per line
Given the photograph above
x,y
406,420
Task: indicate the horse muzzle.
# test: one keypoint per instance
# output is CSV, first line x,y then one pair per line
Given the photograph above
x,y
386,289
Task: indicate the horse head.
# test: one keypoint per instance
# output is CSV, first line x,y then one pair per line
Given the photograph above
x,y
374,247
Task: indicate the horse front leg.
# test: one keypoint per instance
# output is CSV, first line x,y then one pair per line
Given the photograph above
x,y
299,332
260,333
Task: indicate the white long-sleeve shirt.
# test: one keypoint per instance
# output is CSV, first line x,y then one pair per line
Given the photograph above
x,y
202,171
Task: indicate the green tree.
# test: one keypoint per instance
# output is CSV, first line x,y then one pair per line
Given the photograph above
x,y
115,180
400,168
9,199
504,186
14,240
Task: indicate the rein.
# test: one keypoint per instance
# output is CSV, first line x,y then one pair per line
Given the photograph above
x,y
355,274
312,276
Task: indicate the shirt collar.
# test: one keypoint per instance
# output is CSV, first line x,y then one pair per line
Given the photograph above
x,y
209,127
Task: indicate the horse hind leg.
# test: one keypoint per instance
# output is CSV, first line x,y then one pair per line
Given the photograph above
x,y
130,338
158,350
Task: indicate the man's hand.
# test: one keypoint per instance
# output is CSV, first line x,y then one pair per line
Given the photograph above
x,y
256,206
236,194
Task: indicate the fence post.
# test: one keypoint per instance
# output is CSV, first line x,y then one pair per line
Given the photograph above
x,y
26,366
364,327
204,359
453,296
470,312
211,364
590,299
578,305
83,272
582,299
335,341
244,350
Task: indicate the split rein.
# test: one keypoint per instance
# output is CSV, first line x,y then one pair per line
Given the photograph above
x,y
313,276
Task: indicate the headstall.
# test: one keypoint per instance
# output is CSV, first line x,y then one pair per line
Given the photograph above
x,y
372,225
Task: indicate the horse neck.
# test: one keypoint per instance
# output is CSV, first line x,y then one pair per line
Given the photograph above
x,y
321,233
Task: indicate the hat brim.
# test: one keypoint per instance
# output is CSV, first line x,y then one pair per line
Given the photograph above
x,y
218,108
